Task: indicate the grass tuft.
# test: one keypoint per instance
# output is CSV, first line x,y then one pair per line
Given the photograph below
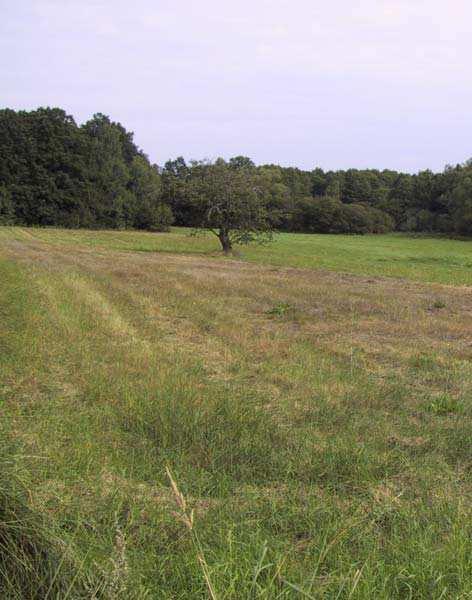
x,y
35,560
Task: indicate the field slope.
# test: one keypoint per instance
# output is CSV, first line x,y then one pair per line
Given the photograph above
x,y
318,421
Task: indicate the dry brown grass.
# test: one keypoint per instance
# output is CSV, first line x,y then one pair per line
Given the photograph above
x,y
358,376
217,310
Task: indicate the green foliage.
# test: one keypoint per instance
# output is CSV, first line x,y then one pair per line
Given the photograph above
x,y
329,215
7,210
155,218
282,309
445,405
241,162
148,211
460,203
353,201
230,202
438,303
53,172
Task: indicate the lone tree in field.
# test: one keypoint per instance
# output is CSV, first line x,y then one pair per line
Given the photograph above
x,y
231,203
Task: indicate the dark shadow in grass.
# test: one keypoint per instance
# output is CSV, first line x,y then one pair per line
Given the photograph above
x,y
34,562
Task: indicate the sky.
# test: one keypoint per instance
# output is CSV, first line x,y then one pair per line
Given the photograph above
x,y
332,83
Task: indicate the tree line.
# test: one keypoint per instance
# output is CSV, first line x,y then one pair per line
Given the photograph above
x,y
55,172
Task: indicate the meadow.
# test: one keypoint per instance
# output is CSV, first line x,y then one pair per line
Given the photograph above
x,y
294,422
422,258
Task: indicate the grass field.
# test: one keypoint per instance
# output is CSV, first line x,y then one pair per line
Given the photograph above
x,y
432,259
312,402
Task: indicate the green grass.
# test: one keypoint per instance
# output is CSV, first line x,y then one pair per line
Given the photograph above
x,y
422,258
318,424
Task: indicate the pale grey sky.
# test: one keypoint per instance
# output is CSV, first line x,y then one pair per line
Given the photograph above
x,y
340,83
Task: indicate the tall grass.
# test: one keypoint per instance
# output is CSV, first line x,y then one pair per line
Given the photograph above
x,y
175,433
36,560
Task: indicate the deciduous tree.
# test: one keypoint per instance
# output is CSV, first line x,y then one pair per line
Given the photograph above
x,y
231,203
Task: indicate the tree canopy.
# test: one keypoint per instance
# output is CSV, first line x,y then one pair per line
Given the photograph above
x,y
55,172
230,202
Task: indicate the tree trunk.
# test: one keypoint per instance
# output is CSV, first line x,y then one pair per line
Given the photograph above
x,y
223,236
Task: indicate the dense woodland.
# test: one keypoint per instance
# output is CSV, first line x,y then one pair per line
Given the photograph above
x,y
55,172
